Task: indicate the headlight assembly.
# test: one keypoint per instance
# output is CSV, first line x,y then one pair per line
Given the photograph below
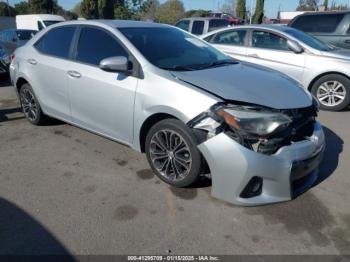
x,y
252,121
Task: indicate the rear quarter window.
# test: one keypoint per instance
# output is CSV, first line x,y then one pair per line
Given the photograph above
x,y
217,23
325,23
197,27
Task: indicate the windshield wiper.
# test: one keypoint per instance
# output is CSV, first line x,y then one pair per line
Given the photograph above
x,y
219,63
180,68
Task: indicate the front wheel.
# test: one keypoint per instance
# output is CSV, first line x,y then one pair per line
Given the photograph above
x,y
332,92
172,153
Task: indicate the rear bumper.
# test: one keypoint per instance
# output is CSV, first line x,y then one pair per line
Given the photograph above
x,y
286,174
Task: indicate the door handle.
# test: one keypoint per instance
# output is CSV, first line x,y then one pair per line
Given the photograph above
x,y
253,55
74,74
347,41
32,61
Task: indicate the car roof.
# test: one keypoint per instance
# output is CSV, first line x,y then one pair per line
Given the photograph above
x,y
273,27
324,13
114,23
204,18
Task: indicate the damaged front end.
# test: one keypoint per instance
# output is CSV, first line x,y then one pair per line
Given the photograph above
x,y
252,150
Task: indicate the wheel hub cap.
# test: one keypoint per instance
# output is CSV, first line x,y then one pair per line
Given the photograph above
x,y
170,155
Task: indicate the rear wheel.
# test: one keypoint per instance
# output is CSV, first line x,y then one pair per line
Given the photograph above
x,y
30,105
332,92
172,153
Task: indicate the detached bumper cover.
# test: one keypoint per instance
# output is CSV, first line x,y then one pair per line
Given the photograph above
x,y
289,172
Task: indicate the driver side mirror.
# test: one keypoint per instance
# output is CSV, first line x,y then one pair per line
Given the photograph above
x,y
118,64
295,47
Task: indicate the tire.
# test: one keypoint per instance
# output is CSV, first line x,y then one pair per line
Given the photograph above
x,y
329,89
30,106
178,163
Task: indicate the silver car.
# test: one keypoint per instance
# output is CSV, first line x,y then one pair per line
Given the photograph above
x,y
193,110
322,69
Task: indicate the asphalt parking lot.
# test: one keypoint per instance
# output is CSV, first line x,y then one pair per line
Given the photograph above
x,y
66,191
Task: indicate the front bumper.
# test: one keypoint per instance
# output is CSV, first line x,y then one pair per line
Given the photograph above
x,y
289,172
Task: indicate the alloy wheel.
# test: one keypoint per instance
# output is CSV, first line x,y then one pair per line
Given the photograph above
x,y
29,104
331,93
170,155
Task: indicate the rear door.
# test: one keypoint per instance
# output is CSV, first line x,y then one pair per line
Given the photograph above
x,y
49,61
270,49
232,42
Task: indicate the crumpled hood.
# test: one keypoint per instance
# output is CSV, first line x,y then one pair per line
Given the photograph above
x,y
249,83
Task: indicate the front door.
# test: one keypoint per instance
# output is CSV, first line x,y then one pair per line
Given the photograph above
x,y
101,101
271,50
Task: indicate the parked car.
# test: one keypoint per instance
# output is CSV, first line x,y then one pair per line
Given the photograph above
x,y
13,38
37,21
189,107
230,18
201,25
320,68
330,27
4,61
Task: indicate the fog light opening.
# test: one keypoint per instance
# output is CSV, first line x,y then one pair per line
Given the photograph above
x,y
253,188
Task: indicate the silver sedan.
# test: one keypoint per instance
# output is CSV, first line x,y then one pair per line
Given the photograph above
x,y
322,69
192,109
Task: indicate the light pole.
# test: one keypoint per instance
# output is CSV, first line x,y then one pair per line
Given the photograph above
x,y
250,11
8,7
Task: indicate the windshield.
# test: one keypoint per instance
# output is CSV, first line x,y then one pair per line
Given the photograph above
x,y
50,22
308,40
25,34
173,49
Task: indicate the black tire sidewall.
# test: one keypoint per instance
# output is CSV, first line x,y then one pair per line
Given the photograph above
x,y
41,117
190,139
333,77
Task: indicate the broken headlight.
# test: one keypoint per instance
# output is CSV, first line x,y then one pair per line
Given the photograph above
x,y
253,121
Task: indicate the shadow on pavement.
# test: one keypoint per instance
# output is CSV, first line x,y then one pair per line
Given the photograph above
x,y
334,146
7,111
21,234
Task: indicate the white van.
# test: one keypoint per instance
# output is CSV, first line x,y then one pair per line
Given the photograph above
x,y
37,22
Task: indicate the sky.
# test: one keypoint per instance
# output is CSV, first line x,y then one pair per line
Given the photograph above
x,y
271,6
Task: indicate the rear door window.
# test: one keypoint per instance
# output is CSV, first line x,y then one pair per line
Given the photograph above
x,y
318,23
56,42
95,45
267,40
197,27
231,37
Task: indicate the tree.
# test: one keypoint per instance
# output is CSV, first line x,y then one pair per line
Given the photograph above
x,y
170,12
198,13
77,9
7,10
325,4
259,12
241,9
149,9
106,9
23,8
308,5
89,9
229,7
42,6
